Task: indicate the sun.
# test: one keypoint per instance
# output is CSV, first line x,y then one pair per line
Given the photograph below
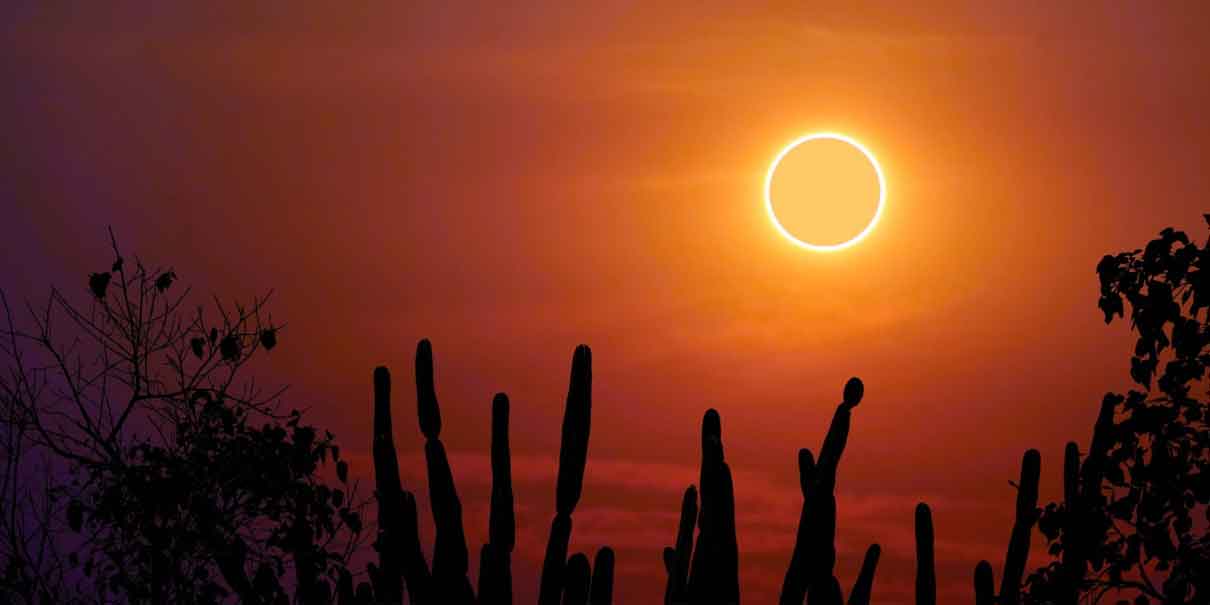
x,y
825,191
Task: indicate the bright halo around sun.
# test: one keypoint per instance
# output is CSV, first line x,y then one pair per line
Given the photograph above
x,y
825,192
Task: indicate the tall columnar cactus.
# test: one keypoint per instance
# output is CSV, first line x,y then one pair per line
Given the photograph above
x,y
450,559
676,560
710,572
810,573
926,571
714,575
573,455
1084,501
1018,544
495,573
577,578
602,578
398,543
1026,517
985,584
388,574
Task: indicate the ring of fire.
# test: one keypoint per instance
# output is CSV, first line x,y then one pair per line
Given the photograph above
x,y
825,247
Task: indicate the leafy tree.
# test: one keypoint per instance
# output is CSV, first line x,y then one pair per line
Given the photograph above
x,y
1134,516
144,467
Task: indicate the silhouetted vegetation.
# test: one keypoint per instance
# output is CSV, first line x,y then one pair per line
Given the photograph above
x,y
1133,518
142,466
401,566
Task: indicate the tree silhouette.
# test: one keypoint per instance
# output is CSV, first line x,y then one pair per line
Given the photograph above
x,y
1133,516
163,475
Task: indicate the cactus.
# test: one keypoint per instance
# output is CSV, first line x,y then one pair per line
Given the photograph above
x,y
1026,517
1085,527
577,578
926,571
985,584
450,559
573,455
601,592
709,572
676,560
714,571
863,587
577,420
1018,545
388,574
810,573
399,555
495,575
427,410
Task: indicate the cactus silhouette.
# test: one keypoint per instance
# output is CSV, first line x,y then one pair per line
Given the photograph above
x,y
926,569
401,562
1018,544
602,577
1085,525
708,573
810,573
450,559
558,582
495,572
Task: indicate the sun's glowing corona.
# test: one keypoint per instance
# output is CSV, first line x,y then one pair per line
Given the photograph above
x,y
835,137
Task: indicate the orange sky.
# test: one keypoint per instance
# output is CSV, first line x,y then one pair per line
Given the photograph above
x,y
510,182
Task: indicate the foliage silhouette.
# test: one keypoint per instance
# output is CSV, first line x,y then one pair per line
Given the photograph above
x,y
1133,516
164,475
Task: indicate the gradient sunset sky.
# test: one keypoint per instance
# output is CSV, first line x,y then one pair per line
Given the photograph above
x,y
510,181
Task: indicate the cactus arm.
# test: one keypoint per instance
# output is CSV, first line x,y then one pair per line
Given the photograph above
x,y
427,409
863,588
1026,516
450,558
578,576
926,572
601,592
827,593
387,585
495,565
714,574
502,522
577,420
670,596
415,571
677,560
728,579
794,586
573,455
984,584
